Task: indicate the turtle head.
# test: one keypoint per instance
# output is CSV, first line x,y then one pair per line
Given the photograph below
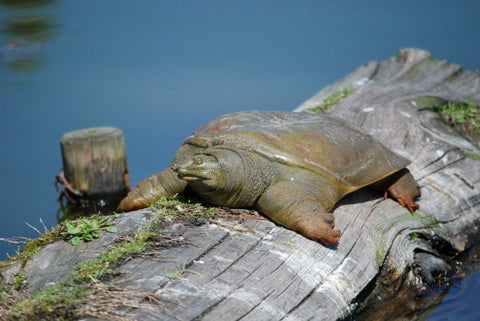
x,y
224,175
210,171
200,170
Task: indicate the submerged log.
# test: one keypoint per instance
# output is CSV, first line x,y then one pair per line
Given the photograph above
x,y
255,270
94,161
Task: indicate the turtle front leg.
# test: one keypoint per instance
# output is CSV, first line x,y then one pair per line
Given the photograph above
x,y
296,210
317,224
151,189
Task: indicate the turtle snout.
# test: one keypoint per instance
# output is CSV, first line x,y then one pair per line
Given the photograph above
x,y
176,167
180,168
187,171
198,168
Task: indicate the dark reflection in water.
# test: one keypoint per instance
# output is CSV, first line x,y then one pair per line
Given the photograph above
x,y
98,204
27,34
25,4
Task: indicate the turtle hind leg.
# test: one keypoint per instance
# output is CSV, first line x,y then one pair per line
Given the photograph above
x,y
402,187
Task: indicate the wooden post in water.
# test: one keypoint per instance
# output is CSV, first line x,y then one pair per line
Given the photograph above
x,y
95,161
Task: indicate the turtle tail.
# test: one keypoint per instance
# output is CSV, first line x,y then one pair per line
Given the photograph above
x,y
151,189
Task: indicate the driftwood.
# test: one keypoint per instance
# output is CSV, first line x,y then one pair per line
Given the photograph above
x,y
255,270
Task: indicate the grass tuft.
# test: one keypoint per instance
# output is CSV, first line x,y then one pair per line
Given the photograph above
x,y
180,208
463,113
330,102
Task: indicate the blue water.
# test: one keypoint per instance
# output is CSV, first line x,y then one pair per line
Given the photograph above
x,y
160,69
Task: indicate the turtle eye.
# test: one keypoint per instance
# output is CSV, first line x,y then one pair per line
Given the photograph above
x,y
198,161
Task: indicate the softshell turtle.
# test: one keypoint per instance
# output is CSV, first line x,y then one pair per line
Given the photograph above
x,y
293,167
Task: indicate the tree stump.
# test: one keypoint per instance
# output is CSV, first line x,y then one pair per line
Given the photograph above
x,y
95,161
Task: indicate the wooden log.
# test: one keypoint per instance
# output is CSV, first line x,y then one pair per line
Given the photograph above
x,y
276,274
257,270
95,161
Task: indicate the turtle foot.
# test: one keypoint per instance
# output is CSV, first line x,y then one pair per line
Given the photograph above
x,y
333,238
405,190
322,232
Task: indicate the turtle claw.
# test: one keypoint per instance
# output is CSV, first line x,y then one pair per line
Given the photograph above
x,y
410,204
412,207
333,238
321,233
407,202
404,191
319,227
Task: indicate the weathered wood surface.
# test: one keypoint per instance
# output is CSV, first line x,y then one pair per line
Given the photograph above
x,y
256,270
95,160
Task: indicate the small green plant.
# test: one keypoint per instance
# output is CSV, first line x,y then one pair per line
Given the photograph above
x,y
87,229
172,208
329,102
99,267
5,289
178,273
20,281
54,303
414,236
460,112
210,211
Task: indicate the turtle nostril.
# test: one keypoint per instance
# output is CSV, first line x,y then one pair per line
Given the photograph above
x,y
179,168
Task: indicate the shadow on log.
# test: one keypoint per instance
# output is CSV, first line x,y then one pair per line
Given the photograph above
x,y
236,269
